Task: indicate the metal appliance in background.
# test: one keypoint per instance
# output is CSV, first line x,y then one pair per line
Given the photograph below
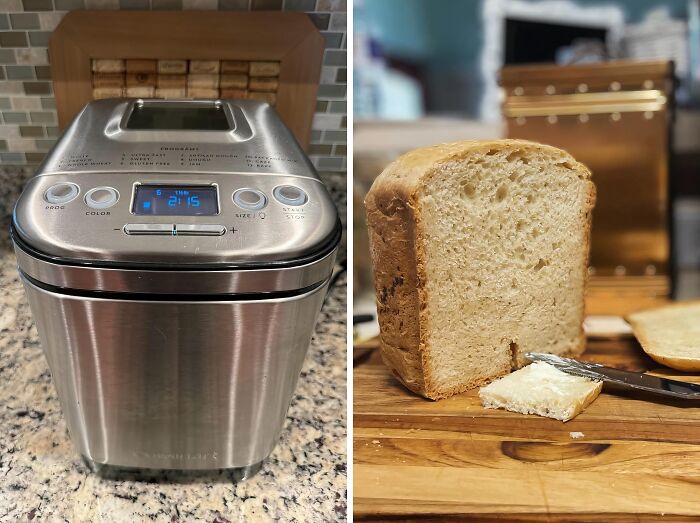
x,y
175,256
615,117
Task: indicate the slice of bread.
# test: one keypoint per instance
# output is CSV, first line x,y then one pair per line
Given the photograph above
x,y
670,334
541,389
479,251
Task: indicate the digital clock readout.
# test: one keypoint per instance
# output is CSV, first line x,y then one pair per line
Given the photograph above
x,y
173,200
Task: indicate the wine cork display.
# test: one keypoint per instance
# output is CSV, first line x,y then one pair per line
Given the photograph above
x,y
108,66
234,81
235,66
171,92
108,80
141,66
172,66
140,80
185,79
140,91
204,66
171,81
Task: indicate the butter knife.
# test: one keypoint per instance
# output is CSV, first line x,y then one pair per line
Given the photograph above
x,y
632,380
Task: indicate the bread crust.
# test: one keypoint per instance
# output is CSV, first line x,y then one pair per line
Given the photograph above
x,y
640,332
397,246
390,218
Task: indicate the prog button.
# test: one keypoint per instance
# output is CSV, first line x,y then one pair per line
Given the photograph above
x,y
61,193
249,199
289,195
101,197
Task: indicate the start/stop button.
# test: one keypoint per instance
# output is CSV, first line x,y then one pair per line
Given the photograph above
x,y
101,197
289,195
61,193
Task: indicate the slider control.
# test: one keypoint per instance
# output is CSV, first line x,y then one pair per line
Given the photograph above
x,y
205,229
164,229
178,229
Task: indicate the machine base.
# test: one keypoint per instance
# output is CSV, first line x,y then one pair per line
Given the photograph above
x,y
171,475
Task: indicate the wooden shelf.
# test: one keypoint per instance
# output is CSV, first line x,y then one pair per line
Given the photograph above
x,y
289,39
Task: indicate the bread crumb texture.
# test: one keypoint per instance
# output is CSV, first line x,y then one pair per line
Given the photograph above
x,y
541,389
479,252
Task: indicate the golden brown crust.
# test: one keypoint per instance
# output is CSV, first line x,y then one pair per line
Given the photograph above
x,y
391,238
397,247
588,226
640,332
590,398
682,364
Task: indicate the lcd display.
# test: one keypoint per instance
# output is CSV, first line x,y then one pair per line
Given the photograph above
x,y
164,117
175,200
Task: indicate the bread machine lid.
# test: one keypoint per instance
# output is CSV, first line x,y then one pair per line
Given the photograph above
x,y
174,185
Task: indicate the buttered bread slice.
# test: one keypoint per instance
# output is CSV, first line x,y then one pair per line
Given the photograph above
x,y
479,251
541,389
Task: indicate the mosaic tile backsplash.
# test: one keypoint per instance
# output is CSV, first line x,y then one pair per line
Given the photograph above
x,y
28,109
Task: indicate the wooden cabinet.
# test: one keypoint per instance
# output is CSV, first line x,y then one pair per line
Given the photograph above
x,y
614,117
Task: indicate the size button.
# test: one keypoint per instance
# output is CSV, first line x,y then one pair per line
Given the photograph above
x,y
249,199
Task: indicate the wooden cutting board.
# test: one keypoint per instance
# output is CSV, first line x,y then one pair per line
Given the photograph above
x,y
416,459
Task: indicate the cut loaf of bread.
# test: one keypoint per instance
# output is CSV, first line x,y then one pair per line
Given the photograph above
x,y
541,389
670,334
479,252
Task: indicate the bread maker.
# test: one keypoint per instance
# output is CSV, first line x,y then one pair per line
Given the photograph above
x,y
175,256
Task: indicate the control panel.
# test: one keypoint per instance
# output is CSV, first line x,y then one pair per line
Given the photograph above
x,y
123,215
176,200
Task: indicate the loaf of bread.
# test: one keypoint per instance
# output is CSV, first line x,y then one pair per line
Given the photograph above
x,y
670,334
541,389
479,252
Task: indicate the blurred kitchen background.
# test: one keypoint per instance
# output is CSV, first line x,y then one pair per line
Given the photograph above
x,y
615,82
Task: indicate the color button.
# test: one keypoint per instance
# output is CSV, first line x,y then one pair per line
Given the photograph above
x,y
101,197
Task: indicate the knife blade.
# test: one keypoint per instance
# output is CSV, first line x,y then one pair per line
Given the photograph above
x,y
633,380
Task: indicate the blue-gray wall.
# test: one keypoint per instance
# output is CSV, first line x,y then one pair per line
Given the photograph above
x,y
446,36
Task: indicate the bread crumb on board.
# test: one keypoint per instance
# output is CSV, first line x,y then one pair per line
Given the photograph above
x,y
576,435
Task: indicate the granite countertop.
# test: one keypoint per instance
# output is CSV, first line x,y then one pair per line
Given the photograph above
x,y
43,478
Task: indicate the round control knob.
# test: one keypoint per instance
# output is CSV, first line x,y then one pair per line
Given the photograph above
x,y
101,197
249,199
61,193
289,195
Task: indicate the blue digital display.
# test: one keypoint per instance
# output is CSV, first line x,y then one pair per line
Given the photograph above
x,y
175,200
